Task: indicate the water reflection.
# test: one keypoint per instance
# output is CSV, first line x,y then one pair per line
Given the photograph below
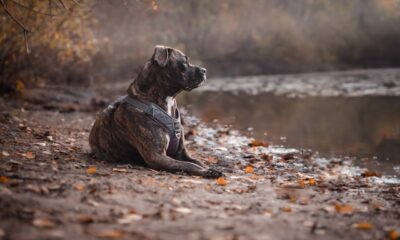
x,y
365,127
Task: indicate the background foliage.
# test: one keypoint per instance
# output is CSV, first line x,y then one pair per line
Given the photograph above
x,y
97,40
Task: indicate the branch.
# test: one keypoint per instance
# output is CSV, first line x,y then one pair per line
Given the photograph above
x,y
14,18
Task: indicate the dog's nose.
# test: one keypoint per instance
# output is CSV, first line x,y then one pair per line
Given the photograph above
x,y
203,70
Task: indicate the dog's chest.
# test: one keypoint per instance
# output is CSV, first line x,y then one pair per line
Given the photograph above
x,y
170,106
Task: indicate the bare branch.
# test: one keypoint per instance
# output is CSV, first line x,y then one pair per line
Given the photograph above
x,y
14,18
26,43
62,4
35,11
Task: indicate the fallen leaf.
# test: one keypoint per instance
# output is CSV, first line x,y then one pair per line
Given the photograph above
x,y
371,174
29,155
257,143
363,225
79,186
4,179
394,235
249,169
129,218
85,219
301,183
5,154
211,159
91,170
286,209
311,181
121,170
43,223
288,156
111,233
344,209
221,181
183,210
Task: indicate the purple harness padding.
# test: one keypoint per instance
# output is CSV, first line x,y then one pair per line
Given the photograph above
x,y
172,125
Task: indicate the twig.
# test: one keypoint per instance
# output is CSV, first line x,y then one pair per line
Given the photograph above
x,y
26,43
14,18
62,3
35,11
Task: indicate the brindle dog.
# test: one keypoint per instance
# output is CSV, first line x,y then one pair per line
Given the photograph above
x,y
122,133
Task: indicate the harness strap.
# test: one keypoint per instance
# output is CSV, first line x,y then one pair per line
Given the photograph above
x,y
172,125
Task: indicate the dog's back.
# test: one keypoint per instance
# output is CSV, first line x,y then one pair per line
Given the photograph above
x,y
105,144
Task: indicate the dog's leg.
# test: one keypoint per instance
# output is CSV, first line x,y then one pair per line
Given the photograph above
x,y
183,154
162,162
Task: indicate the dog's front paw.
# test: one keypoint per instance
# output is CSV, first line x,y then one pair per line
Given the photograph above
x,y
212,173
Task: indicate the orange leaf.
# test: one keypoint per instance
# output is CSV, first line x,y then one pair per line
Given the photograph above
x,y
4,179
394,235
371,174
344,209
256,143
363,225
212,159
249,169
79,186
302,184
83,218
111,233
91,170
221,181
29,155
311,181
286,209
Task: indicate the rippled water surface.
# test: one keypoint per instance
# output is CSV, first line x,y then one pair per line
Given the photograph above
x,y
366,128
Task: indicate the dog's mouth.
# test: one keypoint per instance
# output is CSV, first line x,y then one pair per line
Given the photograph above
x,y
196,83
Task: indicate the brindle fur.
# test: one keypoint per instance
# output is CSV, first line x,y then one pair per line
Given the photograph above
x,y
121,133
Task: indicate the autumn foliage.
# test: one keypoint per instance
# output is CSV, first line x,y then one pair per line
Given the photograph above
x,y
42,40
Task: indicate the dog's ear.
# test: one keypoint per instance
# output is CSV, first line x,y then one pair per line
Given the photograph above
x,y
161,55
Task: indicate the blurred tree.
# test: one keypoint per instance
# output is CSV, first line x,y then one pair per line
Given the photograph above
x,y
45,39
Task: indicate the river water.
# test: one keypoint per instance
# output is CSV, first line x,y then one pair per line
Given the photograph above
x,y
365,128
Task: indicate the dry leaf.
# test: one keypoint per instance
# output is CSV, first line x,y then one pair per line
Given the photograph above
x,y
344,209
212,159
221,181
5,154
286,209
311,181
79,186
183,210
111,233
91,170
84,219
29,155
4,179
256,143
301,183
43,223
249,169
363,225
394,235
129,218
371,174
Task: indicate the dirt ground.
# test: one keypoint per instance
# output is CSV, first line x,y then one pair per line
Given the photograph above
x,y
52,188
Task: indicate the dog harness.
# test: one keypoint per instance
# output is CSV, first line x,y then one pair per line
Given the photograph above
x,y
155,112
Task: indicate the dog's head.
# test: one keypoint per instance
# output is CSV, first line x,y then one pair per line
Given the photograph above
x,y
177,68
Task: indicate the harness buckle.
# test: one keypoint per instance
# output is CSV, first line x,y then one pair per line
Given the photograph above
x,y
177,129
150,111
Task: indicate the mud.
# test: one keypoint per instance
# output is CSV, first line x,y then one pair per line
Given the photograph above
x,y
52,188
